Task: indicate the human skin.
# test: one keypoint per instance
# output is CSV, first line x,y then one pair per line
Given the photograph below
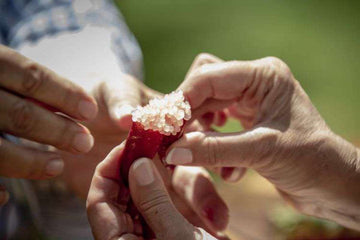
x,y
285,138
116,94
29,93
193,198
153,197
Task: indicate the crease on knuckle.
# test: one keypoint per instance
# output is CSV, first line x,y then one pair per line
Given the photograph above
x,y
265,157
213,147
153,203
34,77
22,117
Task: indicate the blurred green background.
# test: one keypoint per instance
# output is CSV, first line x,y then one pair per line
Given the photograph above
x,y
319,40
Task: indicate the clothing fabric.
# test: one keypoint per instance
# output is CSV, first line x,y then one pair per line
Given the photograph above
x,y
30,20
45,209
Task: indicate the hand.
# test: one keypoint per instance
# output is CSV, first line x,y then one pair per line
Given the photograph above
x,y
212,116
115,96
285,138
27,91
152,197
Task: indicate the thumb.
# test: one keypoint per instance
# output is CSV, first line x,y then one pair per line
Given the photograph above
x,y
121,97
245,149
153,202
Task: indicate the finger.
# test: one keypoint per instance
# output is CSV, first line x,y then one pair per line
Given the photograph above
x,y
20,162
211,106
220,118
25,119
195,125
121,97
201,59
247,149
195,186
29,79
232,174
129,236
106,216
4,196
153,202
107,170
229,80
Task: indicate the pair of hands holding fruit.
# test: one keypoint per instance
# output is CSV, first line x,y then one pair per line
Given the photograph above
x,y
285,140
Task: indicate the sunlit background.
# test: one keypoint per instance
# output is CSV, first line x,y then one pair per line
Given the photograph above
x,y
319,40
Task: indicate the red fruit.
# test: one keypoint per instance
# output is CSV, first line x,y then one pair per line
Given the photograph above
x,y
163,116
139,143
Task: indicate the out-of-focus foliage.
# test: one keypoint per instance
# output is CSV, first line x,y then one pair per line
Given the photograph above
x,y
291,225
320,41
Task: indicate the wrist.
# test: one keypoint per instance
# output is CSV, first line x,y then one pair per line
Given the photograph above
x,y
337,196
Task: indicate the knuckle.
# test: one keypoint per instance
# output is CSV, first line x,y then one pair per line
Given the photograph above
x,y
152,204
22,117
203,58
34,77
213,148
277,69
266,149
91,204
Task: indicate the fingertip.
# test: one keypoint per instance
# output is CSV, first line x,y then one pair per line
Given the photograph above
x,y
83,142
179,156
116,151
109,166
125,122
216,212
88,109
232,174
142,171
220,118
122,115
54,167
129,236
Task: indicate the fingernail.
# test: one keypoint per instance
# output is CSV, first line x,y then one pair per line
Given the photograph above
x,y
143,172
83,142
54,167
232,174
123,110
87,109
235,175
4,197
179,156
